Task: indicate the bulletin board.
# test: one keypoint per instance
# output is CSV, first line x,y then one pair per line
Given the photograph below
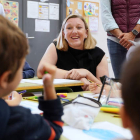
x,y
89,10
11,10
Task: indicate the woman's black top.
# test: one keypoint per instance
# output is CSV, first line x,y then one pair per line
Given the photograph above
x,y
75,59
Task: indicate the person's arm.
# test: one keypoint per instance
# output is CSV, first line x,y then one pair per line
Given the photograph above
x,y
138,21
28,72
108,21
50,56
102,68
125,37
51,127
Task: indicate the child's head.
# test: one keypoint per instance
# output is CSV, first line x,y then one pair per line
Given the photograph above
x,y
13,49
130,112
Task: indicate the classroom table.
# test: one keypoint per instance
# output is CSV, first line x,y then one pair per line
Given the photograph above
x,y
32,87
101,117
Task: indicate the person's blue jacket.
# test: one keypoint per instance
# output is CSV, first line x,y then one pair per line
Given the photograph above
x,y
28,72
17,123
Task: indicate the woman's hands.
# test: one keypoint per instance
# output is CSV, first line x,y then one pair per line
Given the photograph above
x,y
83,74
76,74
85,87
95,87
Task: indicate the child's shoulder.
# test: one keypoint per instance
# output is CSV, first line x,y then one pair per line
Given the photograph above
x,y
13,118
14,112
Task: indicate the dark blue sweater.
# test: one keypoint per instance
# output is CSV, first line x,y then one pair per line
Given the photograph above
x,y
17,123
28,72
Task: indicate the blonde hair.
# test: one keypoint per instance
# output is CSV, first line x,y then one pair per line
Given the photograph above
x,y
62,44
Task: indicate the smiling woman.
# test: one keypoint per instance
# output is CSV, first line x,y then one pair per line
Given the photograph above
x,y
75,54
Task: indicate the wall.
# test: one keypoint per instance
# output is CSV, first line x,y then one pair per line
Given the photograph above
x,y
101,38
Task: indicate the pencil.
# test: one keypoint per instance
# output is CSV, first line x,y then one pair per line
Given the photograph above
x,y
93,82
117,116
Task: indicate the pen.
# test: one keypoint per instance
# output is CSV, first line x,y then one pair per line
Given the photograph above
x,y
21,92
115,102
111,110
117,116
93,82
45,72
63,95
64,100
31,98
110,106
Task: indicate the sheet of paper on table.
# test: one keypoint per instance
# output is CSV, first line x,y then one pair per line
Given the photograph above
x,y
33,106
99,131
56,81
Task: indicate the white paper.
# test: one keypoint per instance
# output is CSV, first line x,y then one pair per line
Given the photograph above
x,y
99,131
80,5
32,106
90,95
56,81
32,9
93,24
43,10
42,25
54,11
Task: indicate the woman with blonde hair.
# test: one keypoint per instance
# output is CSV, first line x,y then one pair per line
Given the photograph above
x,y
75,54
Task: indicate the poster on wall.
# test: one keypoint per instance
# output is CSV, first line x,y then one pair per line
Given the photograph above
x,y
54,11
11,9
32,9
93,24
43,10
42,25
89,8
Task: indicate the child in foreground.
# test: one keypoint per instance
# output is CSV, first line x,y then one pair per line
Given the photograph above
x,y
130,112
17,122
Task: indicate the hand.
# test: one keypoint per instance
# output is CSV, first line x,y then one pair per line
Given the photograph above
x,y
15,100
16,97
76,74
94,88
124,39
85,87
49,91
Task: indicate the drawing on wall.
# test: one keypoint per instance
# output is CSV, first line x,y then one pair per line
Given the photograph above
x,y
89,9
43,10
80,5
70,11
93,24
68,3
11,10
76,12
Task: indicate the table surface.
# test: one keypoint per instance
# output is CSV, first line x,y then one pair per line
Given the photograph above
x,y
101,117
36,87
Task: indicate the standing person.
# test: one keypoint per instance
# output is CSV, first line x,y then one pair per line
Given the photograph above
x,y
75,54
2,10
121,20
